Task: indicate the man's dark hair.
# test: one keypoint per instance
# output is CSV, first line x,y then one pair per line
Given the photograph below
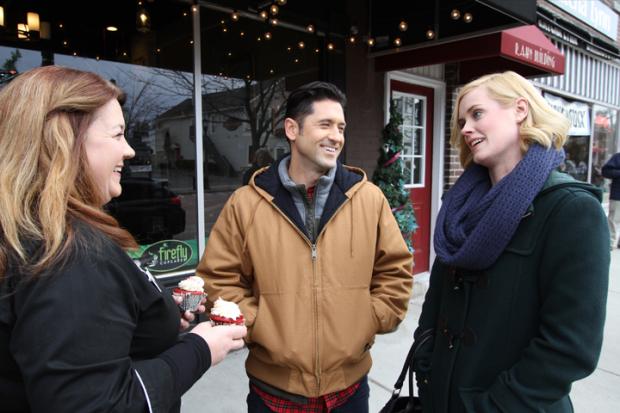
x,y
299,102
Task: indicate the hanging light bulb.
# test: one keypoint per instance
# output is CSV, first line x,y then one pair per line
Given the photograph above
x,y
455,14
234,16
281,2
398,42
310,28
430,34
274,22
1,16
263,14
274,9
143,20
403,26
352,39
267,36
371,41
468,17
301,45
330,46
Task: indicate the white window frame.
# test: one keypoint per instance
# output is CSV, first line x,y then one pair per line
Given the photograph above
x,y
423,128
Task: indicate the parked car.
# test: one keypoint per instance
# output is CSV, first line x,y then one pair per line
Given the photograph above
x,y
6,76
147,209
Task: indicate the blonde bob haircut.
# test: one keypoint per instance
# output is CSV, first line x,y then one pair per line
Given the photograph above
x,y
542,125
45,179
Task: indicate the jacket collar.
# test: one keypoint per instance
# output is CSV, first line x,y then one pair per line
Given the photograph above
x,y
345,184
557,180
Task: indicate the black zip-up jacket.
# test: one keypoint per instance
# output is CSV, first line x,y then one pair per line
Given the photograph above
x,y
93,335
611,170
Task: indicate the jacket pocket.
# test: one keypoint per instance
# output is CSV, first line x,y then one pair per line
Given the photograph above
x,y
347,327
283,331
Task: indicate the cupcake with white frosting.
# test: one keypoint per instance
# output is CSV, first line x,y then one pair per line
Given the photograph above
x,y
226,313
191,290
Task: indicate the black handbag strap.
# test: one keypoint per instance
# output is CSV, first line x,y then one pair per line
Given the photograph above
x,y
417,343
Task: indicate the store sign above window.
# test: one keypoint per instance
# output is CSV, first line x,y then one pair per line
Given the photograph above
x,y
592,12
577,112
558,32
529,45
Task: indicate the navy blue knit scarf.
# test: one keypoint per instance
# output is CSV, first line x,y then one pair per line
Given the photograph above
x,y
476,220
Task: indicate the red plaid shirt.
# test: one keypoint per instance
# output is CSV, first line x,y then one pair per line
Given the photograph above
x,y
321,404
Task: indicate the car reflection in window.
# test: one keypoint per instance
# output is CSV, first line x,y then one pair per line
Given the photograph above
x,y
147,209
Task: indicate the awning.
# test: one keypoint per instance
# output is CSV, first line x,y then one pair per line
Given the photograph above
x,y
524,49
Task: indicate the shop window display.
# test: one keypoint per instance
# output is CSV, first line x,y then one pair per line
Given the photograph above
x,y
605,143
576,161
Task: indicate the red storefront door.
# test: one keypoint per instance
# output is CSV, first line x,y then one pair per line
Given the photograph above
x,y
416,106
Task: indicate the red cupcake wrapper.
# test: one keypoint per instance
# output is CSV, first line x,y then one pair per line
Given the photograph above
x,y
224,321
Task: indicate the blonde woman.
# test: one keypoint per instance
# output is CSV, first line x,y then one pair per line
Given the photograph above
x,y
82,328
516,303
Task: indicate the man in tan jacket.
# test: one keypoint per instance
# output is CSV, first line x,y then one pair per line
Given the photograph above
x,y
312,254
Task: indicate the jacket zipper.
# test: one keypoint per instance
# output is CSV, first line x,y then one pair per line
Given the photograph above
x,y
317,348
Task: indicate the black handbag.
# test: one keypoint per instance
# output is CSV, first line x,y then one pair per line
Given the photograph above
x,y
410,403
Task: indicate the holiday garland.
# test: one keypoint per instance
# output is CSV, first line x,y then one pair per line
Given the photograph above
x,y
390,177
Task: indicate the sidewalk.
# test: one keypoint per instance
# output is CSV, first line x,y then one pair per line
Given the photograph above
x,y
223,388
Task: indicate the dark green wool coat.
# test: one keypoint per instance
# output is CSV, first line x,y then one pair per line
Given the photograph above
x,y
514,337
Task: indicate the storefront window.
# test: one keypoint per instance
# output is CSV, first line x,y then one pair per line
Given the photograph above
x,y
576,162
158,202
412,109
242,130
577,146
248,65
605,142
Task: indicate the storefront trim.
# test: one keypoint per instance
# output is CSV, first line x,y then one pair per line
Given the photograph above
x,y
200,192
587,78
439,105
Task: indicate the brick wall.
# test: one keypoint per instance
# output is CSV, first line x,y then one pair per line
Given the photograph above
x,y
452,167
365,95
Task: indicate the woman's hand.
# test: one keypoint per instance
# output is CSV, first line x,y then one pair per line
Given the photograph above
x,y
220,339
189,316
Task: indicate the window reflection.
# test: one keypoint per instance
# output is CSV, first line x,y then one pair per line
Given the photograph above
x,y
604,143
576,162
